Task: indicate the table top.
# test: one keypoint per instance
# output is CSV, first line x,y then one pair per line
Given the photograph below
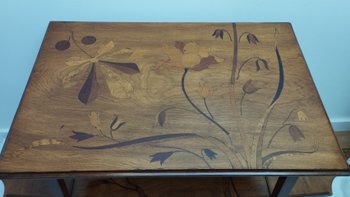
x,y
178,98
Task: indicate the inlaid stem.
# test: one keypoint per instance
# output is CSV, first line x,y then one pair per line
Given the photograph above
x,y
195,107
206,106
235,53
76,44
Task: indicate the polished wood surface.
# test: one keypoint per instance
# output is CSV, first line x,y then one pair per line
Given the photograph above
x,y
114,97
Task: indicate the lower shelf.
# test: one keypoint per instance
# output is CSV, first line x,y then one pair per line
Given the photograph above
x,y
308,186
141,187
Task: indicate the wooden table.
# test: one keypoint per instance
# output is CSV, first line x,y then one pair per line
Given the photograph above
x,y
171,99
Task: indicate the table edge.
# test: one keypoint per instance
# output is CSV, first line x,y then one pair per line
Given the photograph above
x,y
172,173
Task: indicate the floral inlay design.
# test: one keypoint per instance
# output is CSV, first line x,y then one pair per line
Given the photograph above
x,y
189,55
187,59
90,88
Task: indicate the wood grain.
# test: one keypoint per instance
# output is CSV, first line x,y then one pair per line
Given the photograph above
x,y
217,96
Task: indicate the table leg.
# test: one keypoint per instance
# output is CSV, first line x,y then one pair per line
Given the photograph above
x,y
64,188
283,186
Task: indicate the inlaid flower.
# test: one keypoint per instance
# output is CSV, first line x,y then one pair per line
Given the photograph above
x,y
296,133
204,89
219,33
249,87
116,123
251,38
259,62
161,156
189,55
302,116
209,153
90,88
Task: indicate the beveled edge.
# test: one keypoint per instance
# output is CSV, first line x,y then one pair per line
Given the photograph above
x,y
173,173
173,22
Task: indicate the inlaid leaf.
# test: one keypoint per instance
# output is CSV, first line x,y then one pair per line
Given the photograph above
x,y
113,123
210,154
123,90
71,74
124,51
161,118
118,85
249,87
75,61
80,136
105,48
119,125
161,157
280,79
95,120
257,65
45,142
266,65
296,133
128,68
204,63
89,90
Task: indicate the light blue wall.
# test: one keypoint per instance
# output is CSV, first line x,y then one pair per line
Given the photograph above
x,y
322,27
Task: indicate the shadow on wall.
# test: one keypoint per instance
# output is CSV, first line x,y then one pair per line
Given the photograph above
x,y
3,134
